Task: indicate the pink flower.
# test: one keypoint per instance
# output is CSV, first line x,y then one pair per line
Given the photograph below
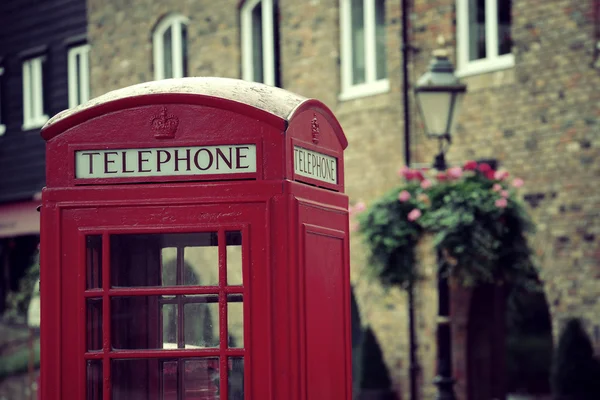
x,y
360,206
497,187
418,175
404,196
501,203
470,165
504,193
414,214
517,182
484,167
490,174
406,173
455,172
441,177
501,175
426,184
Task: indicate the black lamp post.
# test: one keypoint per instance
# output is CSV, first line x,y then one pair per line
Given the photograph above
x,y
439,95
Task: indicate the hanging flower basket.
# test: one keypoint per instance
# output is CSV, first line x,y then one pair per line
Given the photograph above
x,y
479,226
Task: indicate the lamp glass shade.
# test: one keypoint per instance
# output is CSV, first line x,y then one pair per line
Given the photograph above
x,y
437,109
458,99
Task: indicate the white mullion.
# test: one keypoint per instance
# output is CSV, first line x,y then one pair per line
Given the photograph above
x,y
462,22
268,42
176,49
26,93
72,77
38,93
84,77
158,51
346,44
370,56
491,29
247,40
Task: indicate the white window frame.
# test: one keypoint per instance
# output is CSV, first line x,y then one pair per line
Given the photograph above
x,y
493,61
176,23
372,85
79,79
268,41
33,93
2,126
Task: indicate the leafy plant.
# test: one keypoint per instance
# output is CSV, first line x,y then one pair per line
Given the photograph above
x,y
479,227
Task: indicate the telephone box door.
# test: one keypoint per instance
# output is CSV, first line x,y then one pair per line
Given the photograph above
x,y
166,296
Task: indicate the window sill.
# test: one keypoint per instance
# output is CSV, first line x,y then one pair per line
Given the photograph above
x,y
2,129
486,65
38,123
365,89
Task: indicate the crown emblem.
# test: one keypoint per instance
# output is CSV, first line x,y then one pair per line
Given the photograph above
x,y
164,126
316,132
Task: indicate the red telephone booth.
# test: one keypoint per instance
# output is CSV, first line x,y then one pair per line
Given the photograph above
x,y
195,246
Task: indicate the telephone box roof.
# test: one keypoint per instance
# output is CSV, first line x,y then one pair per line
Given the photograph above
x,y
250,95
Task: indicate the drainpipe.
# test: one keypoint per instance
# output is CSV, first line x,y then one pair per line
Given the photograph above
x,y
406,48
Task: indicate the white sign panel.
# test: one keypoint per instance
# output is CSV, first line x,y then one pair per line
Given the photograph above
x,y
169,161
315,165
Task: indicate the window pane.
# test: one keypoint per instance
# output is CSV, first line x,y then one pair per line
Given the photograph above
x,y
164,259
234,258
201,379
235,320
236,378
504,23
168,53
184,48
78,73
201,321
94,261
170,379
94,324
380,45
358,42
94,380
257,40
169,325
135,322
477,29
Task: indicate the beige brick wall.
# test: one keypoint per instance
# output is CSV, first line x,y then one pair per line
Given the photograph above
x,y
540,120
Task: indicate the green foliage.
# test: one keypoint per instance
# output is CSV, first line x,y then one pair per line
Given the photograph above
x,y
575,373
17,302
478,225
374,372
18,362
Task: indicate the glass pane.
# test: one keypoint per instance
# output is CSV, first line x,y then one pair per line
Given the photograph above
x,y
164,259
94,261
477,29
169,324
201,379
257,44
380,45
184,48
143,379
504,23
235,320
236,378
170,375
435,107
358,42
168,52
135,322
94,324
234,258
201,321
94,380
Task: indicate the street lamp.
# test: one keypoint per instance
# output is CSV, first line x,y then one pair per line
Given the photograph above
x,y
439,95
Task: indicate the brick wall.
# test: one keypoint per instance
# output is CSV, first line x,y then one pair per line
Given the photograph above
x,y
539,119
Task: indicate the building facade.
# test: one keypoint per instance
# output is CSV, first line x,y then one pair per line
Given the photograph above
x,y
43,70
533,106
